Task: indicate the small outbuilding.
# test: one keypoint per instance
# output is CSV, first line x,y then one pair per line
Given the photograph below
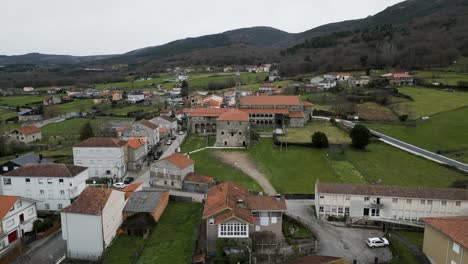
x,y
198,183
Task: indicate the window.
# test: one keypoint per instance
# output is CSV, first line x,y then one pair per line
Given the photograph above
x,y
228,123
49,181
321,209
41,192
40,181
240,133
366,199
59,206
47,206
5,168
27,180
211,221
6,181
429,202
347,198
233,229
108,172
321,196
458,203
408,201
423,202
222,132
394,200
340,210
62,192
346,210
456,248
60,181
20,203
443,203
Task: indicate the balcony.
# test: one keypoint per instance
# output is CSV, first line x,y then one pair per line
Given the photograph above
x,y
375,205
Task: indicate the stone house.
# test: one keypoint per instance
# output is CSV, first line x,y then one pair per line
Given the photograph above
x,y
26,134
232,212
233,129
203,120
171,171
446,239
51,100
143,129
197,183
137,151
166,122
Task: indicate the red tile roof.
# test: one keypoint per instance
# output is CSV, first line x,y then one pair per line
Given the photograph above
x,y
6,203
148,124
197,178
306,103
269,85
136,143
129,189
90,202
101,143
162,130
265,110
46,170
213,103
270,100
207,112
179,160
266,203
296,114
455,227
234,115
401,75
393,191
28,130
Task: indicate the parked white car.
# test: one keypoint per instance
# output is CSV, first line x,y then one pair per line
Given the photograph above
x,y
374,242
119,185
168,142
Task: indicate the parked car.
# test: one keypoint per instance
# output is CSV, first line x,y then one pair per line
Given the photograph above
x,y
119,185
128,180
181,132
173,137
168,142
374,242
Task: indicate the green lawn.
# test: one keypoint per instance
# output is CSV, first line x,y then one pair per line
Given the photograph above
x,y
416,238
19,100
192,143
6,114
443,77
173,239
77,105
304,134
445,132
124,109
428,102
123,250
405,256
300,232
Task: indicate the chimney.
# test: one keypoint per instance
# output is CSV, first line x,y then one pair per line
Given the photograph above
x,y
40,158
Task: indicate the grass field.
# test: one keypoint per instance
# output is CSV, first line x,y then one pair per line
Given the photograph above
x,y
207,164
445,132
442,77
78,105
6,114
304,134
428,102
172,240
123,250
416,238
373,111
123,110
19,100
405,256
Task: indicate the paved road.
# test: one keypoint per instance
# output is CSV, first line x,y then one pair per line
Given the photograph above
x,y
48,251
414,150
348,243
170,149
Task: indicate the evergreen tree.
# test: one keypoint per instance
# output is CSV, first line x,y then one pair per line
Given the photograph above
x,y
320,140
360,136
185,89
86,131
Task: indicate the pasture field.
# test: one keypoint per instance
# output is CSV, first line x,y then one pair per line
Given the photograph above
x,y
304,134
19,100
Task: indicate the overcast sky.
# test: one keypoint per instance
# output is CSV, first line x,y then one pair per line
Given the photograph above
x,y
90,27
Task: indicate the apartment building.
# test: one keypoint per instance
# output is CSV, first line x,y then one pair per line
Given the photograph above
x,y
54,186
381,202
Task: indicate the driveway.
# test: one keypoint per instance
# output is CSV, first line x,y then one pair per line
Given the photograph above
x,y
44,251
348,243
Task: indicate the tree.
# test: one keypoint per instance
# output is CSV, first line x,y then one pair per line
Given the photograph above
x,y
51,111
3,146
185,89
86,131
319,140
360,136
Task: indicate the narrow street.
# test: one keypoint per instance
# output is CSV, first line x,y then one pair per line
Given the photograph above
x,y
48,250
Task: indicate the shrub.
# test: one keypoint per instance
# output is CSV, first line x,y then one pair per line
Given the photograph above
x,y
360,136
403,118
320,140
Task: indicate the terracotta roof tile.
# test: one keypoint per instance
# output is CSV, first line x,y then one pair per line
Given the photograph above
x,y
90,202
401,75
129,189
234,115
28,130
96,142
455,227
265,110
393,191
6,203
207,112
179,160
46,170
148,124
213,103
269,85
193,177
306,103
136,143
268,203
296,114
270,100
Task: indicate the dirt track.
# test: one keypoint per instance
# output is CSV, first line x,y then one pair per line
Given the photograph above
x,y
242,162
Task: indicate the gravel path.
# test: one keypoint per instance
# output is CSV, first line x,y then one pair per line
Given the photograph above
x,y
242,162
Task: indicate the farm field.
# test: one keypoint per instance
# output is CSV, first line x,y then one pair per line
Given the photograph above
x,y
304,134
428,102
173,238
6,114
123,110
373,111
76,106
19,100
207,164
445,133
442,77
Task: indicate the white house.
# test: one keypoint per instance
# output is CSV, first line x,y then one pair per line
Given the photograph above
x,y
135,97
54,186
105,157
166,122
388,203
327,84
26,134
182,77
90,224
17,215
